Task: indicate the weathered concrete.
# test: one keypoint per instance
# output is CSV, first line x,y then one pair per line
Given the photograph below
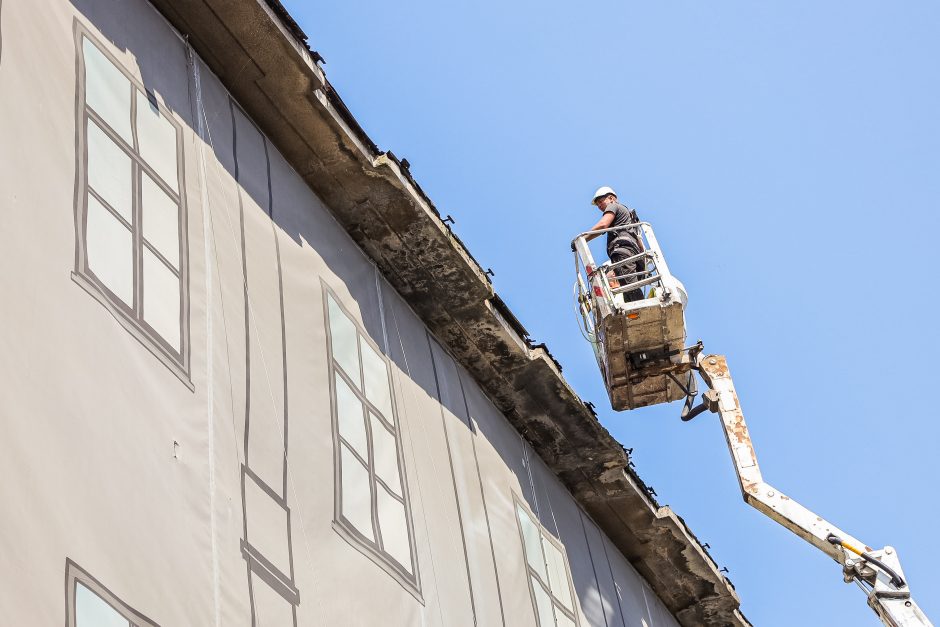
x,y
262,60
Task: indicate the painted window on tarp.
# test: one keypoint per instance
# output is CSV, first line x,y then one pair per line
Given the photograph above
x,y
130,210
93,611
91,604
372,507
548,572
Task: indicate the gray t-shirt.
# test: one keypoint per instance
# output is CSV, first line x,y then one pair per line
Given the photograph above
x,y
622,240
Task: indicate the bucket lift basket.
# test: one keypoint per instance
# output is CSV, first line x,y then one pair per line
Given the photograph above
x,y
640,344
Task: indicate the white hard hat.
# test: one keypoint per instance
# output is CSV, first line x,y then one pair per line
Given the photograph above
x,y
602,191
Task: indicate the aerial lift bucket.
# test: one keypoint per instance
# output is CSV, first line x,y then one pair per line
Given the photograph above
x,y
640,348
640,344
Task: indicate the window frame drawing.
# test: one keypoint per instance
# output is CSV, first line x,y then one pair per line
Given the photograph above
x,y
75,575
532,575
260,497
131,317
374,549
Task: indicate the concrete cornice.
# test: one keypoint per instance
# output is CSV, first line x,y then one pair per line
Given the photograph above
x,y
259,54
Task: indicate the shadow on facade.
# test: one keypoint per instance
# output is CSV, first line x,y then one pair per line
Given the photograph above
x,y
248,158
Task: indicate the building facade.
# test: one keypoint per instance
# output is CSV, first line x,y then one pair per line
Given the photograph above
x,y
226,402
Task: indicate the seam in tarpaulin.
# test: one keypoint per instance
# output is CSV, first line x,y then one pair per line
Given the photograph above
x,y
528,468
267,375
551,510
204,121
647,603
210,374
424,515
610,568
474,434
435,366
597,581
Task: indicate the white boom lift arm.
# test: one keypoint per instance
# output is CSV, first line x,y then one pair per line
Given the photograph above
x,y
878,573
639,348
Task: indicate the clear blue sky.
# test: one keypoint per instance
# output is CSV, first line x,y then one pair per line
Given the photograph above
x,y
787,154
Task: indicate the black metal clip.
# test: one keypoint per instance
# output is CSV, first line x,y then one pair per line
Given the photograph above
x,y
709,402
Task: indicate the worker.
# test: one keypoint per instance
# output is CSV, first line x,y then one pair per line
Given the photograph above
x,y
621,244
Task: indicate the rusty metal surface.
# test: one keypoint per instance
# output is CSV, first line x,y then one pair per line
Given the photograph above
x,y
756,492
889,597
654,328
714,370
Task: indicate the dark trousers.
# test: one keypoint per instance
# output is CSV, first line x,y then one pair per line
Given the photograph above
x,y
628,268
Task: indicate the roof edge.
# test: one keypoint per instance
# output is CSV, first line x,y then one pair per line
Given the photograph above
x,y
375,197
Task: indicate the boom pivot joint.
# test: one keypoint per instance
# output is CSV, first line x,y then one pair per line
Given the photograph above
x,y
877,572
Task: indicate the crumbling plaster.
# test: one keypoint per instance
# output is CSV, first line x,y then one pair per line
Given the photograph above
x,y
261,56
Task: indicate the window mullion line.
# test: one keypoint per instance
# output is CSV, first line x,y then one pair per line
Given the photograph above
x,y
353,451
130,314
351,383
547,589
153,250
134,92
133,153
82,209
391,492
112,210
405,572
348,379
564,610
157,179
136,215
548,573
375,410
100,122
544,539
373,486
362,377
352,386
538,578
390,425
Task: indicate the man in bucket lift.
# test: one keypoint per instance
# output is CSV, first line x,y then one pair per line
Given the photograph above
x,y
620,244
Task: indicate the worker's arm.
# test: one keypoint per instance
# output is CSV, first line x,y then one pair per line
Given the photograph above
x,y
604,223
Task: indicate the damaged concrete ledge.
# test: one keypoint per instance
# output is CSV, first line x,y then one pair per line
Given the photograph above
x,y
260,55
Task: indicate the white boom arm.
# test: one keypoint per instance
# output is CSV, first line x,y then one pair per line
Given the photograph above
x,y
878,573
